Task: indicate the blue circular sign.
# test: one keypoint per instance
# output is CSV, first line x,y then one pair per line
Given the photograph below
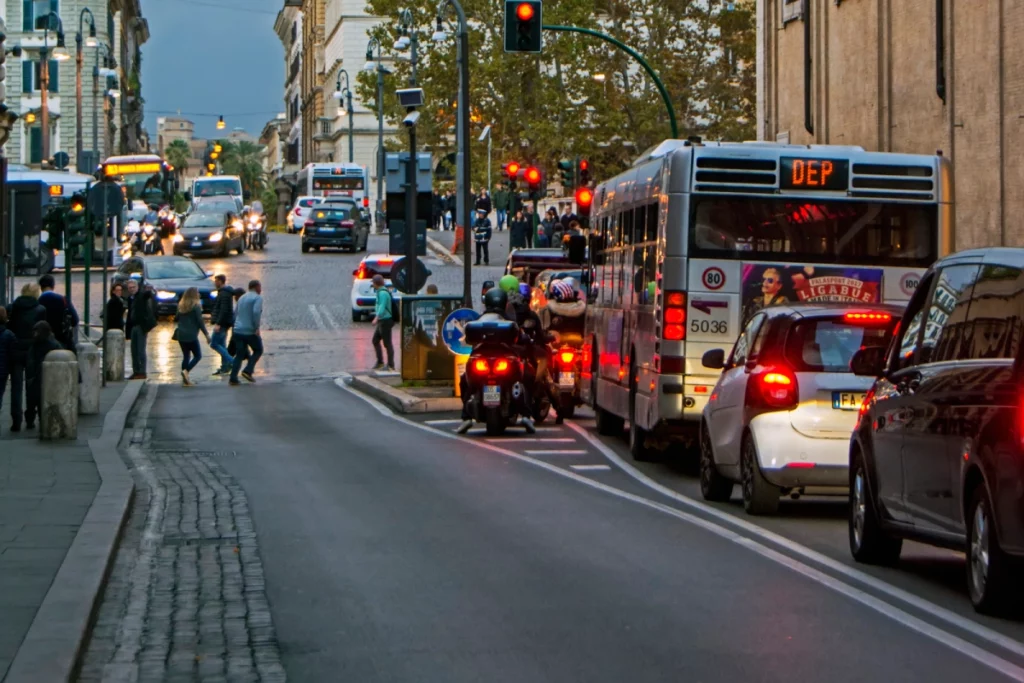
x,y
453,331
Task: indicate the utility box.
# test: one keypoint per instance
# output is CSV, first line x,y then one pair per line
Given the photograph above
x,y
424,354
28,201
395,184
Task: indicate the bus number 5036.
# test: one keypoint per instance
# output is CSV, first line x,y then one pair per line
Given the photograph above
x,y
709,326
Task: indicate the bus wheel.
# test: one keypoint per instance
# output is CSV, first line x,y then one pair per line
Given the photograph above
x,y
607,423
637,436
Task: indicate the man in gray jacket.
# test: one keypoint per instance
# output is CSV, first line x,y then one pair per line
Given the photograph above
x,y
247,332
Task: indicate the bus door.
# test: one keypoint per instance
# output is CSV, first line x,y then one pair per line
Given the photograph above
x,y
714,317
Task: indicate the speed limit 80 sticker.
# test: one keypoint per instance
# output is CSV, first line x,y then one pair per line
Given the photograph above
x,y
713,278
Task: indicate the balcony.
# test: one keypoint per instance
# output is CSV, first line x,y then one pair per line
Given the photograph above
x,y
324,129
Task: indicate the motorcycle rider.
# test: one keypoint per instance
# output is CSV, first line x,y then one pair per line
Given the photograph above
x,y
564,314
495,310
256,209
533,338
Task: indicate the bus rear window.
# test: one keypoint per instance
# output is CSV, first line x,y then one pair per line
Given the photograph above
x,y
838,231
828,344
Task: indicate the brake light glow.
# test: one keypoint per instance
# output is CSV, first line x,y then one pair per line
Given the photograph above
x,y
366,202
480,365
867,318
567,357
675,316
673,326
800,465
864,406
778,387
347,224
700,389
308,224
776,378
501,366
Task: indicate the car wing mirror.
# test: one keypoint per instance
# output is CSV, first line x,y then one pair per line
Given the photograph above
x,y
713,359
869,362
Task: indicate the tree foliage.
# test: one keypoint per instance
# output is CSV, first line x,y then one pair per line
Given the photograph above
x,y
545,107
245,160
177,155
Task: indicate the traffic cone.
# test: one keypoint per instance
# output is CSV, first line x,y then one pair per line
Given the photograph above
x,y
457,245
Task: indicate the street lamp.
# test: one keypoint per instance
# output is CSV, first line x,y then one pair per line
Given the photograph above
x,y
462,182
91,42
60,53
220,123
410,40
106,71
371,65
346,94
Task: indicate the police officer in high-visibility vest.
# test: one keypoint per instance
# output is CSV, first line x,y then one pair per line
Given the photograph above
x,y
482,236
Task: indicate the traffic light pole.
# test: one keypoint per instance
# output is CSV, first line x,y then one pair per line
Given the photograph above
x,y
639,59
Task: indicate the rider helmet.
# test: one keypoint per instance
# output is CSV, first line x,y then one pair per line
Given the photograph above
x,y
562,290
524,289
508,283
495,300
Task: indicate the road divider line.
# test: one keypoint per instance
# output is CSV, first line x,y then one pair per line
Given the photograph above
x,y
330,318
566,452
443,422
507,439
316,317
949,617
954,642
590,468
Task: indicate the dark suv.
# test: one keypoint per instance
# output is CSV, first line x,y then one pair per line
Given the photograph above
x,y
337,224
938,452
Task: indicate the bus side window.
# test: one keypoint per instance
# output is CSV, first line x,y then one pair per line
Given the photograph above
x,y
639,225
652,222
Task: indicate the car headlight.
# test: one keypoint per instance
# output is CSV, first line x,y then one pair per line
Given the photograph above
x,y
165,295
177,238
216,237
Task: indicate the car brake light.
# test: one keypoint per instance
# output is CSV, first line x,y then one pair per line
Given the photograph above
x,y
674,316
800,465
309,224
480,365
778,387
366,202
867,318
501,366
361,273
347,224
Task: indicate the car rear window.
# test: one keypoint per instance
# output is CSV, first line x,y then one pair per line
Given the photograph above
x,y
828,344
306,203
322,214
383,266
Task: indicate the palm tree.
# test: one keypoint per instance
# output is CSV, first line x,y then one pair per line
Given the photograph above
x,y
177,155
245,160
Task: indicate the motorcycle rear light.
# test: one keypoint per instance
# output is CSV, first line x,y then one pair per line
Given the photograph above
x,y
867,318
501,366
567,356
480,365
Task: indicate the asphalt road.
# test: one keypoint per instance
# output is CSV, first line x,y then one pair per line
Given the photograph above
x,y
395,552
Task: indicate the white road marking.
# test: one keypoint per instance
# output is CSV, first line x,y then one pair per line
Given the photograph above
x,y
505,439
569,452
590,468
316,317
946,638
443,422
941,613
330,319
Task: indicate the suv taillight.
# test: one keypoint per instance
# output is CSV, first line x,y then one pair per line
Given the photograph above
x,y
776,387
347,224
309,224
673,324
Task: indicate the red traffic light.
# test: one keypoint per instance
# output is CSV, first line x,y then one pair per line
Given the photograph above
x,y
512,168
532,175
524,11
584,197
584,165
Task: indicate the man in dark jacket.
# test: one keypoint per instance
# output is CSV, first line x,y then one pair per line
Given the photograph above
x,y
43,342
7,343
436,202
60,313
222,317
483,202
502,199
143,321
567,217
482,236
23,314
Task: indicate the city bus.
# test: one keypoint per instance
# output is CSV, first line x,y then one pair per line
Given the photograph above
x,y
334,179
145,177
696,237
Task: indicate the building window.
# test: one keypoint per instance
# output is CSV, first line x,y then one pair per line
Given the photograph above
x,y
792,10
33,10
31,78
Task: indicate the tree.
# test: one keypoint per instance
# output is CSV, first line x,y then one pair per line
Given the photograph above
x,y
548,106
245,160
177,155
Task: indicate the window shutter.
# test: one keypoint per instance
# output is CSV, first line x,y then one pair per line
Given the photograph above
x,y
27,15
26,76
55,6
35,145
54,76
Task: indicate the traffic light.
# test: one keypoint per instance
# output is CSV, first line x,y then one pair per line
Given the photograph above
x,y
584,172
510,170
584,202
74,220
534,181
568,173
522,25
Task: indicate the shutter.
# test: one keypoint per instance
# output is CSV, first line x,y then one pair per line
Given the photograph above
x,y
35,145
55,6
27,68
54,76
27,15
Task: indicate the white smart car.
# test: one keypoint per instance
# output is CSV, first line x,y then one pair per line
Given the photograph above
x,y
780,417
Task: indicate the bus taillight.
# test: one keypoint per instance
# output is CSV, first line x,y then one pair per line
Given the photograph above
x,y
673,325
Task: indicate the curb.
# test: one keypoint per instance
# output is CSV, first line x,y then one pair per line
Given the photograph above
x,y
54,640
442,253
401,401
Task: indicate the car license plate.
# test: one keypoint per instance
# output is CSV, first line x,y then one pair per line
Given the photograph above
x,y
197,244
847,400
567,379
327,230
492,395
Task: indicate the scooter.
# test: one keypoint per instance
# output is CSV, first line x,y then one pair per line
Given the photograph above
x,y
131,241
255,232
495,375
168,221
151,243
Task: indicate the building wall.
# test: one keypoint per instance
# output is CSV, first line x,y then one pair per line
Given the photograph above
x,y
874,84
313,73
171,128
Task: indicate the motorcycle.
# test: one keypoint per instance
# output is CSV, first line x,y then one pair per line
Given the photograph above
x,y
496,376
256,235
168,221
151,243
130,239
566,328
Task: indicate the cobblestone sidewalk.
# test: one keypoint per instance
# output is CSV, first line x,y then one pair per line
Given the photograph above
x,y
185,600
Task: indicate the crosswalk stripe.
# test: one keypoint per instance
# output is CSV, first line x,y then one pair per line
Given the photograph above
x,y
590,468
443,422
569,452
330,318
316,317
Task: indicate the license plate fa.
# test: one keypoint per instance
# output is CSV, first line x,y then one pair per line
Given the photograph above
x,y
847,400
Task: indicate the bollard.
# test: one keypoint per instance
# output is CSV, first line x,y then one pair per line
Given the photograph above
x,y
113,356
89,367
58,406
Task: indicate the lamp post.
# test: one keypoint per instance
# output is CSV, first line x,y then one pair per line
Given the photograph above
x,y
465,203
105,71
410,40
90,42
59,54
346,94
374,44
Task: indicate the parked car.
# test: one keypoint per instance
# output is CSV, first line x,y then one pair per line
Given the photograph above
x,y
336,225
297,216
779,420
210,233
938,452
170,276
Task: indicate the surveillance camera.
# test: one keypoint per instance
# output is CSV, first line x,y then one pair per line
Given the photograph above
x,y
412,119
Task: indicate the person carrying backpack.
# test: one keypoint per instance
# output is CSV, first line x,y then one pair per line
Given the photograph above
x,y
383,321
60,313
23,314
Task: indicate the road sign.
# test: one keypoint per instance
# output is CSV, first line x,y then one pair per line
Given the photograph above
x,y
713,278
453,331
61,160
402,282
105,199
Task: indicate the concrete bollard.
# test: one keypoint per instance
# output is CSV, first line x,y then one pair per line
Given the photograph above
x,y
113,356
89,391
58,407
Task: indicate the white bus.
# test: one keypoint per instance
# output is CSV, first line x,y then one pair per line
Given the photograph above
x,y
334,179
696,237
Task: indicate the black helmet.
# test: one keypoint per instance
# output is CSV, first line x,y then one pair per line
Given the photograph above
x,y
495,300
